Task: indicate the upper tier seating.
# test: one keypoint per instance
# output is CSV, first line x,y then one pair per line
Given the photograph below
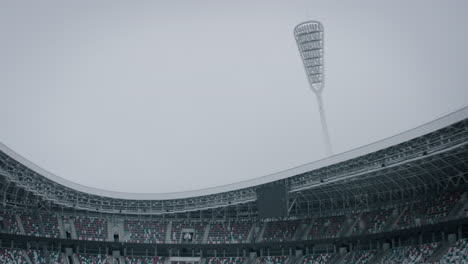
x,y
428,212
31,224
326,227
51,226
143,260
10,225
410,254
458,253
233,232
12,256
145,231
177,228
317,258
372,222
440,207
333,226
280,230
90,228
231,260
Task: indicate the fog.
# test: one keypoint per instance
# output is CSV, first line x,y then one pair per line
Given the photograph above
x,y
163,96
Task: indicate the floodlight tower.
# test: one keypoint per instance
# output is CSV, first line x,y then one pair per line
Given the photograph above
x,y
309,39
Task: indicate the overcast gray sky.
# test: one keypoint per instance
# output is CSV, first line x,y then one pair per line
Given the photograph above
x,y
160,96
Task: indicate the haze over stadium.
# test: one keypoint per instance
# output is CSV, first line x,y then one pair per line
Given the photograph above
x,y
162,97
136,106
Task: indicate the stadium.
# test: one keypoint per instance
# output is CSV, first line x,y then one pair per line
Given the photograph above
x,y
399,200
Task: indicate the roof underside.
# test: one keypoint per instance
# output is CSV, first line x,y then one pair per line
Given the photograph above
x,y
430,158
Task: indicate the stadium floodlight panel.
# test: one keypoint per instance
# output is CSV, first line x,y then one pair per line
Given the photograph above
x,y
309,39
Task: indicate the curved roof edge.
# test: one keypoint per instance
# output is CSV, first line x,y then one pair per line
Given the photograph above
x,y
437,124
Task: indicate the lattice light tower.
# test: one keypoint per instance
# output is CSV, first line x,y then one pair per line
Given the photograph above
x,y
309,38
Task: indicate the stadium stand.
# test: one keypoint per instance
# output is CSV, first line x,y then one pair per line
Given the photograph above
x,y
280,230
10,225
228,260
31,224
400,201
40,257
457,253
372,222
12,256
90,228
317,258
359,257
177,227
272,260
228,232
92,259
145,231
326,227
143,260
430,211
51,226
410,254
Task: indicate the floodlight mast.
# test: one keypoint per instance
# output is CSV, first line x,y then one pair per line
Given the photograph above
x,y
309,39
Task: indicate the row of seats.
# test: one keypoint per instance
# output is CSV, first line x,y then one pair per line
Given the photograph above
x,y
10,225
90,228
51,226
93,259
410,254
280,230
317,258
232,232
143,260
272,260
141,231
372,222
428,212
40,257
153,231
458,253
361,257
232,260
177,229
31,223
326,227
12,256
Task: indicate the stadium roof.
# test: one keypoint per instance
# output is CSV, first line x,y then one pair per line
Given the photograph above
x,y
435,125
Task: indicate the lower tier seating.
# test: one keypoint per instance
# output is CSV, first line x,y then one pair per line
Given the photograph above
x,y
92,259
458,253
232,260
410,254
360,257
143,260
12,256
272,260
317,258
40,257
